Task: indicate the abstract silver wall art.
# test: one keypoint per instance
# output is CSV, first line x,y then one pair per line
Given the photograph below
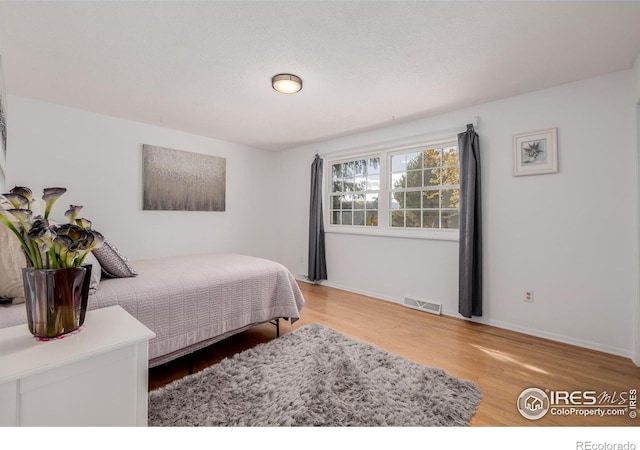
x,y
3,128
176,180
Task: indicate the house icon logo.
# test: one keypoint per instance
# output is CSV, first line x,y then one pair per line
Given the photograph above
x,y
533,403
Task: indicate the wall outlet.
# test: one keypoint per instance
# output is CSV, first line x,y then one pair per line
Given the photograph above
x,y
528,296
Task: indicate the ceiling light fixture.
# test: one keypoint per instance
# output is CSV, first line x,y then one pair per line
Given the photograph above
x,y
286,83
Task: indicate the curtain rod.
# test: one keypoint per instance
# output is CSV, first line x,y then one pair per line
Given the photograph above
x,y
403,141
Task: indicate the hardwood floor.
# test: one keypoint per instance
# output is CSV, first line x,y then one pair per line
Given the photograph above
x,y
501,362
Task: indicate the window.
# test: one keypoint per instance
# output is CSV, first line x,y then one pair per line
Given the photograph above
x,y
425,188
355,187
396,191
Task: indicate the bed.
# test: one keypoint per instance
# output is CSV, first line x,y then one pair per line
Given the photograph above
x,y
193,301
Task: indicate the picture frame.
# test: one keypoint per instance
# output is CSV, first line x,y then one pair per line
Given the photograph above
x,y
535,152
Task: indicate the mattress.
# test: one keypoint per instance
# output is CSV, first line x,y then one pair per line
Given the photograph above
x,y
192,301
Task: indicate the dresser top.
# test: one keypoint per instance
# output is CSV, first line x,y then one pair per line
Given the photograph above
x,y
103,330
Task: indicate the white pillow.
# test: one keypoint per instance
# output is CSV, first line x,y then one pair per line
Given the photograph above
x,y
96,272
12,261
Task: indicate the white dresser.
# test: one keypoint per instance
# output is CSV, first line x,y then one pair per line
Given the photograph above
x,y
96,377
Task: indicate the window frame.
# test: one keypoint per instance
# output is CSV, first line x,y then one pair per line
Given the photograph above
x,y
384,227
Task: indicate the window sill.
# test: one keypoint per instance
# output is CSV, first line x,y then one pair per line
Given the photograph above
x,y
440,235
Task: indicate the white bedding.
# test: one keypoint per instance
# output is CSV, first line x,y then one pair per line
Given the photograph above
x,y
192,301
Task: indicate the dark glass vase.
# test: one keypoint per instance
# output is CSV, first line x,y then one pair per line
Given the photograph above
x,y
56,299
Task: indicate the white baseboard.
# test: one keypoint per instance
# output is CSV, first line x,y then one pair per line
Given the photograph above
x,y
552,336
498,324
636,357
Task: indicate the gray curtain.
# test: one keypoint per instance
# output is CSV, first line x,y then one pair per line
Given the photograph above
x,y
470,278
317,269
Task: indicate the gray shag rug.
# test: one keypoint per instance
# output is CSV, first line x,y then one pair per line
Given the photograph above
x,y
315,376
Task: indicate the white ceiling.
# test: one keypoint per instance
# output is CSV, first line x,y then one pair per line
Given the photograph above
x,y
205,67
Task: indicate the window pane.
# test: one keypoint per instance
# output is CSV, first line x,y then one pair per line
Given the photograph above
x,y
347,202
430,219
336,172
414,178
360,167
398,180
358,202
398,163
431,199
335,201
397,200
451,176
432,177
450,156
358,218
450,218
373,166
431,158
348,169
347,218
335,217
337,186
413,219
360,184
373,182
372,201
414,161
450,198
397,218
372,218
349,185
413,199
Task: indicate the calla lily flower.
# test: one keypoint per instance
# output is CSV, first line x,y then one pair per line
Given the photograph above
x,y
73,231
83,223
24,216
42,235
72,213
46,244
18,201
3,202
25,192
98,239
50,196
39,230
93,240
61,245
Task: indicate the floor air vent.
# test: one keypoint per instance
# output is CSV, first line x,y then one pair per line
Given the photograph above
x,y
430,307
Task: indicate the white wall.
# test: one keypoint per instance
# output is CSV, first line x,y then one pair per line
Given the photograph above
x,y
636,79
569,237
99,160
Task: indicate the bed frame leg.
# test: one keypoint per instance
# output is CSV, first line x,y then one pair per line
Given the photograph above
x,y
190,363
276,323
